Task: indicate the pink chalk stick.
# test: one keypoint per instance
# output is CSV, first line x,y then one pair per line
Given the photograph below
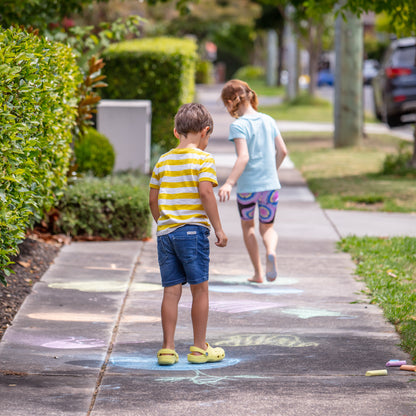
x,y
395,363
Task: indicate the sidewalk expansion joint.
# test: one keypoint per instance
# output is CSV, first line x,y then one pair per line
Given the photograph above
x,y
332,224
114,333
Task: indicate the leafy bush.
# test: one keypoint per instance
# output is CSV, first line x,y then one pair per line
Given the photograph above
x,y
250,72
39,81
94,154
399,163
158,69
204,72
115,207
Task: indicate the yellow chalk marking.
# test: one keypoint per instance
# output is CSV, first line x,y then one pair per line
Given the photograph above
x,y
291,341
105,286
91,317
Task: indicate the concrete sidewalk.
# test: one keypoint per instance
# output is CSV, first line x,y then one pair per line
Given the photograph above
x,y
85,340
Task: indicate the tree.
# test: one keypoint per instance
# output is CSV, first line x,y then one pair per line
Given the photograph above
x,y
348,104
402,22
38,13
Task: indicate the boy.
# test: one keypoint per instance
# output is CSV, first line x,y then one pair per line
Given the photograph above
x,y
181,201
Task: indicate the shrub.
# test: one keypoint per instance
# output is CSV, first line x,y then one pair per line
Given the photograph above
x,y
249,73
39,81
94,154
204,72
115,207
399,163
158,69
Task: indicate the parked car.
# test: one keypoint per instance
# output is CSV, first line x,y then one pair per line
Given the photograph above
x,y
325,77
394,86
370,69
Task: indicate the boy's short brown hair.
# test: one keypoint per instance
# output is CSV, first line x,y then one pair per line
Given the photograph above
x,y
193,118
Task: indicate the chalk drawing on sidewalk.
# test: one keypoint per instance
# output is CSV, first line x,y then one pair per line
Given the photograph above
x,y
201,378
91,317
104,286
234,306
254,289
111,267
310,313
150,363
51,342
74,343
287,341
242,279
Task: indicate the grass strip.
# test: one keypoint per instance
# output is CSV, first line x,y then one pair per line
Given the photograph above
x,y
302,108
351,178
388,268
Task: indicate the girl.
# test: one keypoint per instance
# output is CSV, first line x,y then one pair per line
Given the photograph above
x,y
260,152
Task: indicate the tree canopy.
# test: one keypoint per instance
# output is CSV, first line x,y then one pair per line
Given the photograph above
x,y
38,13
402,12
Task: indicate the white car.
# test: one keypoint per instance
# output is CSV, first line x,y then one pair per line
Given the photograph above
x,y
370,69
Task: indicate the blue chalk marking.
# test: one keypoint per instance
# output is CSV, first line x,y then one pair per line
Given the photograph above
x,y
150,363
243,280
269,290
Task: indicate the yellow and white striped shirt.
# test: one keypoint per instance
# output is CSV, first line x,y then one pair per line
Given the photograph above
x,y
177,175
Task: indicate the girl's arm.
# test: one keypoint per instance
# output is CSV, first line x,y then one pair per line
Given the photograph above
x,y
238,168
209,203
281,150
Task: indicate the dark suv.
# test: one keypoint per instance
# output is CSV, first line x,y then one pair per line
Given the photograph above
x,y
394,87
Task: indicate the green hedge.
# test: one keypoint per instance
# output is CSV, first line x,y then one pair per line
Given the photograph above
x,y
204,72
114,207
158,69
38,87
94,154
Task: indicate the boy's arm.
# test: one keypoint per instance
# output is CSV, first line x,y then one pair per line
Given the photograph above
x,y
153,203
209,203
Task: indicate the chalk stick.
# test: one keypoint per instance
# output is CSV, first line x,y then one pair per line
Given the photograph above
x,y
408,367
395,363
376,373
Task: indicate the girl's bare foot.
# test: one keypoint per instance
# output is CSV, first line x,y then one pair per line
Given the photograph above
x,y
256,279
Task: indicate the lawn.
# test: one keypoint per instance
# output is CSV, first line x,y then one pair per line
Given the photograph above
x,y
262,88
351,178
303,108
388,268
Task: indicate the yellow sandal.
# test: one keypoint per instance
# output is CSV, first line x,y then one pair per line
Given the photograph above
x,y
165,356
210,355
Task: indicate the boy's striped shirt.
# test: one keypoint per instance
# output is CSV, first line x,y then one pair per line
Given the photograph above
x,y
176,176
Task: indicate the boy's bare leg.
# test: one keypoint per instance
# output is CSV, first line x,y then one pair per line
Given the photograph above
x,y
199,313
250,240
169,313
270,239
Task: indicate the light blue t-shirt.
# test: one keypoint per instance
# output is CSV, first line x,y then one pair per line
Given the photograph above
x,y
259,130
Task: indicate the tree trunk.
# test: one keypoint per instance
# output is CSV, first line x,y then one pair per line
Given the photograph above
x,y
413,159
314,49
291,57
271,57
348,104
280,58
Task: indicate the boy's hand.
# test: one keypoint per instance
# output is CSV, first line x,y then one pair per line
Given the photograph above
x,y
221,239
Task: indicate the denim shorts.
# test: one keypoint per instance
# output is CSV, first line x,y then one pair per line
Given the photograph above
x,y
183,255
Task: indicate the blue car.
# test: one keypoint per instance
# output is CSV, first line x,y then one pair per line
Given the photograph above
x,y
325,77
